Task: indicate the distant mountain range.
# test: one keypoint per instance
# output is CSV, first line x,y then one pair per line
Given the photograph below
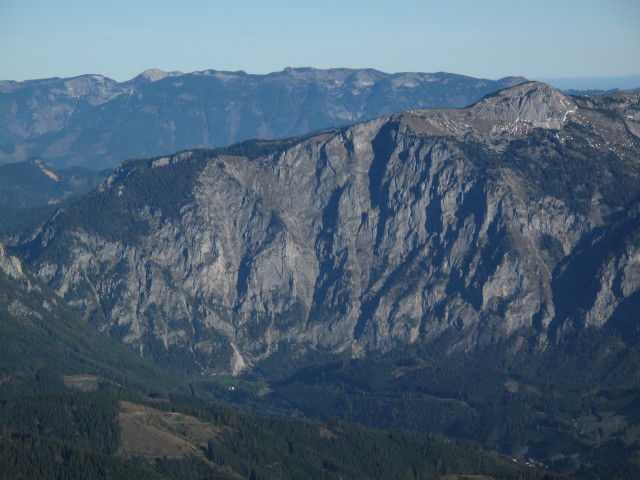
x,y
96,122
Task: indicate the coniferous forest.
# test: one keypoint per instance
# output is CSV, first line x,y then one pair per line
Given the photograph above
x,y
78,435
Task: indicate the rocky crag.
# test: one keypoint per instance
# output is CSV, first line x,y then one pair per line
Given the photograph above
x,y
42,340
515,219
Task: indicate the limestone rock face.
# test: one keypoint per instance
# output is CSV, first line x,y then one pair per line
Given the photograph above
x,y
10,265
514,218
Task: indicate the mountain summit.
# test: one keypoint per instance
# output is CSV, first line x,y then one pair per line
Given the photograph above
x,y
515,111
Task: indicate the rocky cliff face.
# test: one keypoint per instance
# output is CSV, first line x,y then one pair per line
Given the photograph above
x,y
42,340
96,122
515,219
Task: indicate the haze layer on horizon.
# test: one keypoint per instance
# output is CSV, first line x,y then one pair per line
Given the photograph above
x,y
491,39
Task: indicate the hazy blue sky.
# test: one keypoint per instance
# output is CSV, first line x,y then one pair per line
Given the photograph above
x,y
481,38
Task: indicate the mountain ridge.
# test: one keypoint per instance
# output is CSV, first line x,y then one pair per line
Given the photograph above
x,y
94,121
397,230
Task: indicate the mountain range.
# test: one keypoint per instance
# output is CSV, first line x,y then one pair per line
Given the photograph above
x,y
471,271
96,122
514,220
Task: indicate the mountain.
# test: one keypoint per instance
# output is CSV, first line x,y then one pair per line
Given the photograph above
x,y
514,221
33,183
96,122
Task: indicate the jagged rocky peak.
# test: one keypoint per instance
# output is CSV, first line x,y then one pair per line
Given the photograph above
x,y
533,102
514,111
154,74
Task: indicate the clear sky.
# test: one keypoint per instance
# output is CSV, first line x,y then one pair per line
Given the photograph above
x,y
481,38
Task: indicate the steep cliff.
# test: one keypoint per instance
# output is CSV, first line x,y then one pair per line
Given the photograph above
x,y
42,340
515,219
